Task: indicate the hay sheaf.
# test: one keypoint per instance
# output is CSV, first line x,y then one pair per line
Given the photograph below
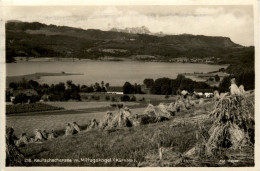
x,y
123,118
160,111
232,124
13,156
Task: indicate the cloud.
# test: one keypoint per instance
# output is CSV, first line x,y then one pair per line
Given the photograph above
x,y
235,24
208,11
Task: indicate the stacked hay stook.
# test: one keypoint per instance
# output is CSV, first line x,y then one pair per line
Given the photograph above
x,y
232,123
13,156
93,124
107,120
157,113
122,119
181,104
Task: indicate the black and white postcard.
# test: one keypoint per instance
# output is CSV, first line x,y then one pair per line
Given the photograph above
x,y
129,84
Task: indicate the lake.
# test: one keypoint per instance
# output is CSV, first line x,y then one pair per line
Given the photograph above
x,y
116,73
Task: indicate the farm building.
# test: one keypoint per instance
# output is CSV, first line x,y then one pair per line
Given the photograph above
x,y
115,90
204,92
184,92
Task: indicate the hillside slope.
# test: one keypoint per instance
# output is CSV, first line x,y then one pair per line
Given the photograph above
x,y
138,146
41,40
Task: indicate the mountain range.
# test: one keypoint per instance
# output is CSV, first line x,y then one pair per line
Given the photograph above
x,y
41,40
133,30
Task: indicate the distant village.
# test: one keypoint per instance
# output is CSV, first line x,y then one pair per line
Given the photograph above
x,y
206,60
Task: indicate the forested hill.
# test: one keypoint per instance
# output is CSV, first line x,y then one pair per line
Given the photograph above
x,y
41,40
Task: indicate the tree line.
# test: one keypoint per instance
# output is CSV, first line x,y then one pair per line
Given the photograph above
x,y
55,92
166,86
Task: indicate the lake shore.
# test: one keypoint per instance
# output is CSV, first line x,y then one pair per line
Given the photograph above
x,y
36,76
114,72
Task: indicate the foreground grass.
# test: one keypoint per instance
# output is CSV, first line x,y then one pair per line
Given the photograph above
x,y
130,147
132,144
78,105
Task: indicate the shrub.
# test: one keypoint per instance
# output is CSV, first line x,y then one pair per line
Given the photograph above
x,y
211,79
120,105
113,99
8,96
113,105
217,78
125,98
75,95
96,97
107,98
34,98
20,98
85,97
142,99
133,99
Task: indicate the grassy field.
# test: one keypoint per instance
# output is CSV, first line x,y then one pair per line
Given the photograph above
x,y
129,147
51,121
80,112
86,105
33,107
129,143
139,97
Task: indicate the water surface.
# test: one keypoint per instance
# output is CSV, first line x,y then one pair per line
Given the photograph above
x,y
116,73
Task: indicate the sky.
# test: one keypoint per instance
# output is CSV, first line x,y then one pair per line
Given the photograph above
x,y
235,22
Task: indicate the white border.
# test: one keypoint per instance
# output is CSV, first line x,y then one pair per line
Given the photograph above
x,y
124,2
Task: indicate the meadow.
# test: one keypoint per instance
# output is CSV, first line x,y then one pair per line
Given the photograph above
x,y
135,146
58,122
74,105
33,107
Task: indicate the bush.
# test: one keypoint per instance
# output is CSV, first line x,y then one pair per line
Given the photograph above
x,y
142,99
125,98
75,95
113,105
96,98
20,98
7,96
120,105
211,79
113,99
244,78
34,98
217,79
133,99
85,97
107,98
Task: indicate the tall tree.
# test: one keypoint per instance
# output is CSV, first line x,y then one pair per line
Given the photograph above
x,y
148,82
128,88
107,85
